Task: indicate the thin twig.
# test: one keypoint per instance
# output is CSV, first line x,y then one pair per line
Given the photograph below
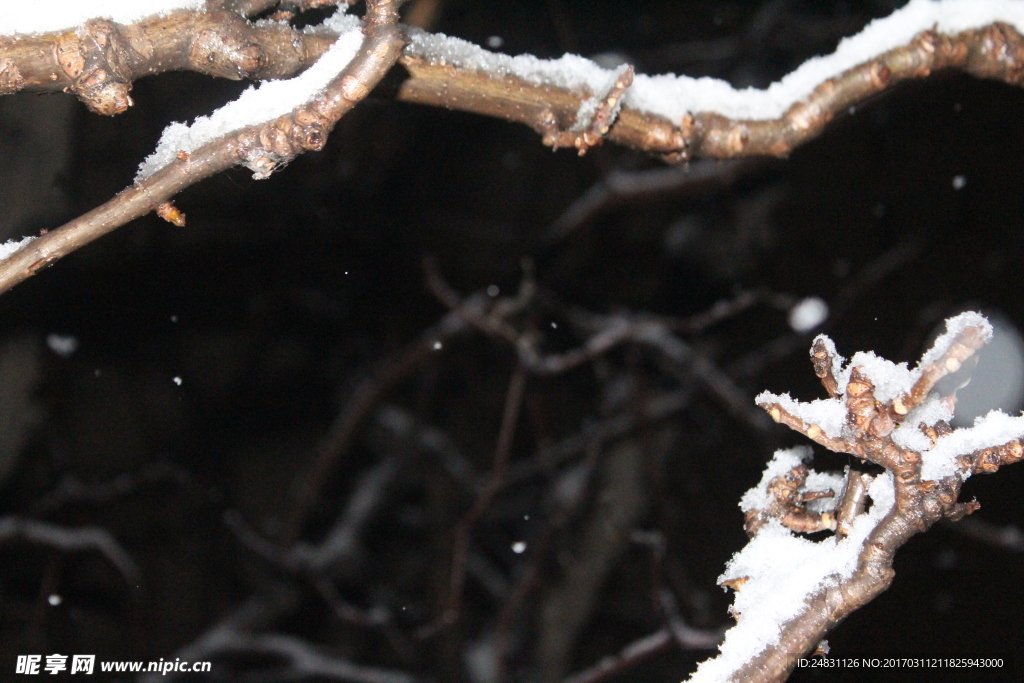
x,y
365,399
502,452
623,186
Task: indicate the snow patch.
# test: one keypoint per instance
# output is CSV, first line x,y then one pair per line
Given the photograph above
x,y
827,413
570,72
955,326
259,104
783,570
54,15
909,435
781,463
994,429
11,246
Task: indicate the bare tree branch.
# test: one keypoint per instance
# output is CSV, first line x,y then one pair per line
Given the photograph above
x,y
73,540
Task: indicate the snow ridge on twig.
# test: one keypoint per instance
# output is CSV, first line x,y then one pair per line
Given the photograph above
x,y
259,104
673,97
54,15
780,569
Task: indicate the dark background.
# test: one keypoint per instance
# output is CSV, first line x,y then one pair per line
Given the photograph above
x,y
280,296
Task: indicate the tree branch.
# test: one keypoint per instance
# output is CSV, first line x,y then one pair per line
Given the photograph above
x,y
99,61
908,499
260,147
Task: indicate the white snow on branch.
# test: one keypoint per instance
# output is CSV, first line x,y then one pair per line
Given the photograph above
x,y
891,380
989,431
782,570
909,435
570,72
954,326
53,15
674,96
827,413
259,104
782,462
585,114
11,246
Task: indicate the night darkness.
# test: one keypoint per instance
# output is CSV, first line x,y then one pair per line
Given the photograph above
x,y
212,360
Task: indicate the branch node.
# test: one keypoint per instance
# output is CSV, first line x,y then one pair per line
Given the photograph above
x,y
170,213
593,120
11,80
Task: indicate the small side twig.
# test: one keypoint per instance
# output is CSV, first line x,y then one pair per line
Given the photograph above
x,y
601,111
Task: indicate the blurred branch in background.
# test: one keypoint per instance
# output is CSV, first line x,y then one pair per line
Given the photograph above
x,y
527,467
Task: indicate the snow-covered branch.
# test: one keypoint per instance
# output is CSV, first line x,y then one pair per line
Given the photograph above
x,y
97,49
260,137
791,591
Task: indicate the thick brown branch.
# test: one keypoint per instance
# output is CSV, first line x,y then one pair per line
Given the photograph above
x,y
827,607
260,147
513,99
995,51
100,60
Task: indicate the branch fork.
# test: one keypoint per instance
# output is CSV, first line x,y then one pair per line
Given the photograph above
x,y
891,418
593,120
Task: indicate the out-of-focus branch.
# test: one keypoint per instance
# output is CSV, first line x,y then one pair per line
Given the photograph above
x,y
238,634
641,649
623,186
365,399
73,540
1009,537
502,453
257,613
302,660
605,332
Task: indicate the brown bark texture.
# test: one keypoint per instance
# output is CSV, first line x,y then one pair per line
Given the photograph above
x,y
919,503
100,60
